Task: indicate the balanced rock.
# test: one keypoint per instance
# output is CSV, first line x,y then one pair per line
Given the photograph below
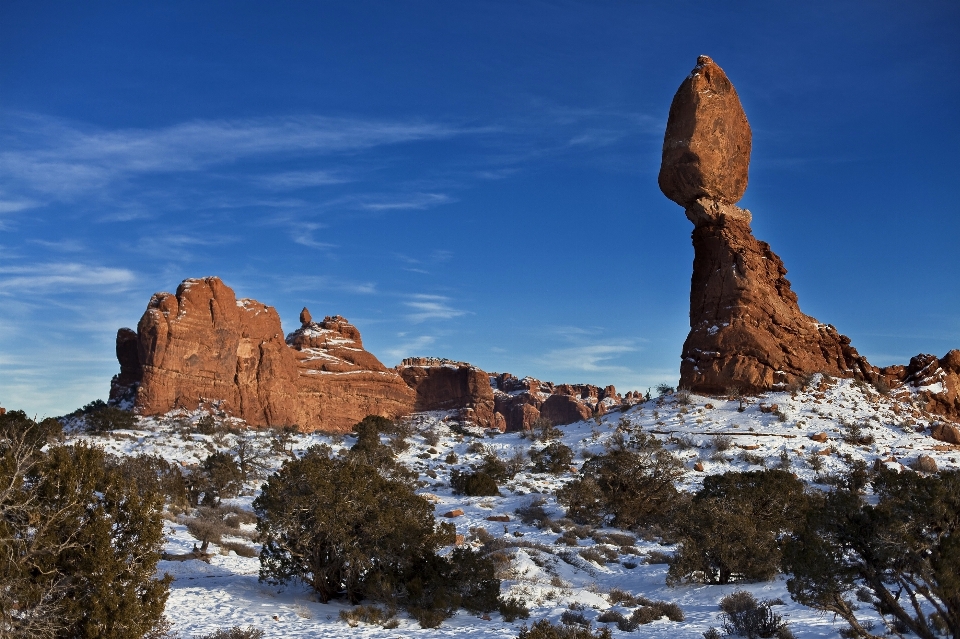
x,y
746,327
706,148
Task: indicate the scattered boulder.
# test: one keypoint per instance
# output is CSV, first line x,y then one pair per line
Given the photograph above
x,y
926,464
947,433
819,437
456,512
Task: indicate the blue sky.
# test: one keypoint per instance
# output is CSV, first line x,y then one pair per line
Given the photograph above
x,y
474,181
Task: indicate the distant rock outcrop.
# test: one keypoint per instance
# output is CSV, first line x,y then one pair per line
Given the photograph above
x,y
339,382
447,385
202,347
746,327
203,344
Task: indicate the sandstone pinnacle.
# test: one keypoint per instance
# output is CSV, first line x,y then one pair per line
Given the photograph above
x,y
305,317
706,147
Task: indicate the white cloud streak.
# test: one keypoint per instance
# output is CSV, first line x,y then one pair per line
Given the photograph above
x,y
57,158
428,307
62,277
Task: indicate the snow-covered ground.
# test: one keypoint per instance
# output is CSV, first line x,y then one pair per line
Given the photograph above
x,y
549,575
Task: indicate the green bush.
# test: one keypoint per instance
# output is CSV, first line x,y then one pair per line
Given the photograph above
x,y
478,484
630,486
99,417
341,527
731,528
513,608
223,477
554,458
903,548
79,545
15,425
543,629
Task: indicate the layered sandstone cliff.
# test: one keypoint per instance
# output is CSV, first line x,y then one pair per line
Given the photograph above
x,y
202,347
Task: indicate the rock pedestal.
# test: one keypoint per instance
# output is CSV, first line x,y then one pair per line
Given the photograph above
x,y
746,327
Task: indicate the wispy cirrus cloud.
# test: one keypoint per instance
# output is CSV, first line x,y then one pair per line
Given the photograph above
x,y
429,307
410,346
591,358
65,277
60,158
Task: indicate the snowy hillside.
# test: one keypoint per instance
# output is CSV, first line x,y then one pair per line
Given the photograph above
x,y
815,433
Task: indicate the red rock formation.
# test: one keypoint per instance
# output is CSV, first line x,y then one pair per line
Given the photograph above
x,y
204,344
446,385
706,148
123,386
564,409
746,327
339,382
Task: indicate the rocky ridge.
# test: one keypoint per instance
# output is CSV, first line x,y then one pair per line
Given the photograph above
x,y
202,347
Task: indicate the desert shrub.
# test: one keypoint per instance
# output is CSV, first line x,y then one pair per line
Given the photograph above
x,y
574,618
235,632
656,610
79,545
554,458
903,546
853,434
370,450
451,458
478,484
494,467
748,617
534,513
100,417
222,475
242,549
543,629
544,430
156,474
208,425
341,527
629,486
15,425
431,437
664,389
731,528
373,615
722,443
621,597
208,528
251,456
513,608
